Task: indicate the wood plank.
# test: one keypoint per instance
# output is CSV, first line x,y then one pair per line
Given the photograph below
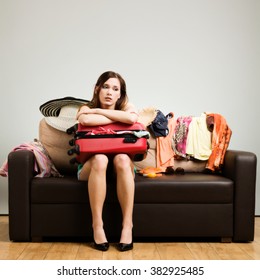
x,y
174,251
146,251
230,251
11,251
252,249
202,251
35,251
87,252
63,251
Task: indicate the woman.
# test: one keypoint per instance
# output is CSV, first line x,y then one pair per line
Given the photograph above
x,y
109,104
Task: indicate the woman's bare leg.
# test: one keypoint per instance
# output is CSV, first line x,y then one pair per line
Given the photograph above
x,y
94,170
125,192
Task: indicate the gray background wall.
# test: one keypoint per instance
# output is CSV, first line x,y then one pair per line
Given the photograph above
x,y
183,56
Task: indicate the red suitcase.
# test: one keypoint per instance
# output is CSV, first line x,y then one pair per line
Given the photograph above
x,y
110,139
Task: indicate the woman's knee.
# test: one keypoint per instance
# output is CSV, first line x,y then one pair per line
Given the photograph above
x,y
99,162
122,161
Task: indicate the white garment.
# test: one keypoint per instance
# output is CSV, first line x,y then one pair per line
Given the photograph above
x,y
199,139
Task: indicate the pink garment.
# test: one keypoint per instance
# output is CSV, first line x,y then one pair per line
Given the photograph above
x,y
165,153
181,134
43,165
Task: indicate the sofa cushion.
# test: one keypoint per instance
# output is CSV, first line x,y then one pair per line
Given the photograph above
x,y
189,188
65,190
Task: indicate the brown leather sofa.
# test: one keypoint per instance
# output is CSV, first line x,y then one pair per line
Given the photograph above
x,y
193,205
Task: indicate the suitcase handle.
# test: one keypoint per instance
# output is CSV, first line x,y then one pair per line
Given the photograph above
x,y
130,139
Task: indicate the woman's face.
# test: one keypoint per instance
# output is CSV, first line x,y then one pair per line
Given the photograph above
x,y
109,93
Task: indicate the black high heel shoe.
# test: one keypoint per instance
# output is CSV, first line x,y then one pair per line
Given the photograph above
x,y
122,247
125,246
101,246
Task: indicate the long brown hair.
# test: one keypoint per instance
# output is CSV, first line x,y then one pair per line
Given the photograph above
x,y
121,102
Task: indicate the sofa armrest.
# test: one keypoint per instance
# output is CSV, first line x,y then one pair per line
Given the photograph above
x,y
240,167
20,173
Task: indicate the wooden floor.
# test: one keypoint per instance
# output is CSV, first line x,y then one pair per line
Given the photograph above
x,y
142,251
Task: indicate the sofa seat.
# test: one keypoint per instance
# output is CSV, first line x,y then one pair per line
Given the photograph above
x,y
191,188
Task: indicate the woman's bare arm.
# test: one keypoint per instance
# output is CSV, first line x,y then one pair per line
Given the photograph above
x,y
98,116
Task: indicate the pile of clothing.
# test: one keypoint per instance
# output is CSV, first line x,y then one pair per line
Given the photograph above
x,y
203,138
